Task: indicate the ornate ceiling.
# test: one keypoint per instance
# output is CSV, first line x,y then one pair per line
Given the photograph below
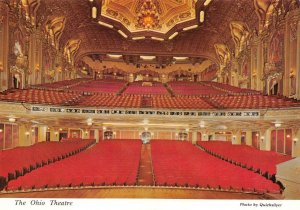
x,y
149,15
226,24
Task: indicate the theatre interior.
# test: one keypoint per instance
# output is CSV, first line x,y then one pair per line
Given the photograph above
x,y
196,99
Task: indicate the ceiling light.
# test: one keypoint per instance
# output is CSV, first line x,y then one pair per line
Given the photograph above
x,y
94,12
207,2
180,58
147,57
122,33
277,125
91,0
105,24
89,123
190,27
138,38
114,56
156,38
1,130
202,16
11,119
173,35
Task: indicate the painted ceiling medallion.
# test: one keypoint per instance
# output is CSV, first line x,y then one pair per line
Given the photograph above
x,y
148,16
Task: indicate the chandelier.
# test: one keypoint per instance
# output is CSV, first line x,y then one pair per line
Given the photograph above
x,y
148,16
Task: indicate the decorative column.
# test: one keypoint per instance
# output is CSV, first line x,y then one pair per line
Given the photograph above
x,y
298,63
265,139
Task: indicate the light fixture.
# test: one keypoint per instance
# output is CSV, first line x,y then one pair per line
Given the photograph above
x,y
148,16
122,34
104,128
56,133
138,38
190,27
207,2
277,124
256,134
157,38
173,35
295,140
32,130
12,120
105,24
187,129
288,136
146,129
90,123
1,130
262,138
94,12
27,133
202,16
114,56
146,57
180,58
60,129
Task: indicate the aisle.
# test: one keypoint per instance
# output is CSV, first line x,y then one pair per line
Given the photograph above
x,y
145,176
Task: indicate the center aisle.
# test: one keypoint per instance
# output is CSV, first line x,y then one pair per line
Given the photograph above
x,y
145,176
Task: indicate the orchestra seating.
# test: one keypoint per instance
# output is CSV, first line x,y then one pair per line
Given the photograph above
x,y
156,88
179,163
21,160
249,157
193,88
113,162
100,86
36,96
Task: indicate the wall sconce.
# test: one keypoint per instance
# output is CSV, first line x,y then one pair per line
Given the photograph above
x,y
27,133
277,124
295,140
1,130
56,133
262,138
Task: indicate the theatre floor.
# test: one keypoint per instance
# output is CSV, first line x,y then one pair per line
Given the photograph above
x,y
137,192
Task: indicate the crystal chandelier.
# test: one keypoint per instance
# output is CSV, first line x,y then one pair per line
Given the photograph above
x,y
148,16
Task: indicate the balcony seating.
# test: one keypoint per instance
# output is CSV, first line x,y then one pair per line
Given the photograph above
x,y
179,163
113,162
21,160
229,88
193,88
252,102
105,100
36,96
180,102
249,157
157,88
100,86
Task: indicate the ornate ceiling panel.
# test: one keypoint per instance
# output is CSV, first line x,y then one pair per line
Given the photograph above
x,y
144,15
198,42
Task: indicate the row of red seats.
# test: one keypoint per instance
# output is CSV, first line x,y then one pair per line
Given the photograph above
x,y
61,84
107,163
130,101
21,160
179,163
180,102
249,157
36,96
138,88
193,88
100,86
230,89
252,102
